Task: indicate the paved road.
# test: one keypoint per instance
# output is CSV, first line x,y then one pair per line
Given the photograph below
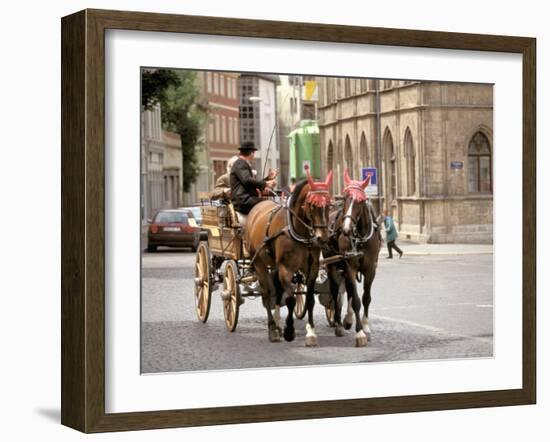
x,y
424,307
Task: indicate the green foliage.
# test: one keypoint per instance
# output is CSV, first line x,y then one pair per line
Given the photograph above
x,y
182,115
154,84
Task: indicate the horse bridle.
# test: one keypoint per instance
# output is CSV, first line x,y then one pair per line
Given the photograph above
x,y
310,228
354,221
348,214
321,226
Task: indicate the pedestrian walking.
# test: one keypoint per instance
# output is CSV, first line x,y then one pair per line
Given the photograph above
x,y
391,235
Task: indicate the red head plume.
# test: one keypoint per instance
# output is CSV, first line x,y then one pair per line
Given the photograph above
x,y
366,181
328,181
347,179
318,194
319,185
309,178
356,187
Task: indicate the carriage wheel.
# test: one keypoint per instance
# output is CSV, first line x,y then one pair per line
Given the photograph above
x,y
231,296
300,309
203,282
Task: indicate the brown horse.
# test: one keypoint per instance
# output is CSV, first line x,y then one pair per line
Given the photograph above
x,y
356,236
285,243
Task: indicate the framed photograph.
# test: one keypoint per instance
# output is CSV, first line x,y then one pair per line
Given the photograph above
x,y
266,221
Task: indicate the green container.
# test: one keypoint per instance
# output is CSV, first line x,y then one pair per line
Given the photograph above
x,y
305,149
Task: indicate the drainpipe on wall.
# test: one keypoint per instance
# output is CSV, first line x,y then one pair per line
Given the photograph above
x,y
378,144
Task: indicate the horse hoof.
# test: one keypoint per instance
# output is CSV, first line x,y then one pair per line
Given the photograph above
x,y
361,341
339,331
311,341
366,330
274,336
289,334
347,325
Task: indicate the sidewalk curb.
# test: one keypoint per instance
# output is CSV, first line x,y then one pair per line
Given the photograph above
x,y
445,253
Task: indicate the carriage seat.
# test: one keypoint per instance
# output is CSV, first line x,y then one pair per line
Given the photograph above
x,y
232,216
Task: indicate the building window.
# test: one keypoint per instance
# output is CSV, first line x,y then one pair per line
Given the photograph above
x,y
387,84
308,111
223,130
364,160
410,158
294,80
220,168
247,131
348,156
391,167
210,131
222,85
247,112
330,159
248,89
216,83
479,164
209,82
217,134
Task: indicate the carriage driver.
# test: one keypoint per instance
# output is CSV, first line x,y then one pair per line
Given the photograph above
x,y
245,188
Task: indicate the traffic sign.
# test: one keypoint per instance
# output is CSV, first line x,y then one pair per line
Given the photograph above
x,y
372,188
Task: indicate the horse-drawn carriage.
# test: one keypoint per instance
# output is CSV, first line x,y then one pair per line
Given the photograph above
x,y
282,258
223,261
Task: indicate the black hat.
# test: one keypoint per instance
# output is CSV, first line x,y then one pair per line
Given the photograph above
x,y
248,145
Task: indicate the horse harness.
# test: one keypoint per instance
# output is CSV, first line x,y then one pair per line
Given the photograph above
x,y
289,228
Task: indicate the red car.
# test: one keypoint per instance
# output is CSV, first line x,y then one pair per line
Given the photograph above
x,y
173,228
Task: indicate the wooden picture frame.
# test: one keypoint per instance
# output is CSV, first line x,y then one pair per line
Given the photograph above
x,y
83,220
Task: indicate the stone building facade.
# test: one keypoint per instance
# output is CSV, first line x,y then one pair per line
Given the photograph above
x,y
172,176
152,163
432,143
161,162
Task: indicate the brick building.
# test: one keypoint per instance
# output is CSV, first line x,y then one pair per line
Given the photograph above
x,y
219,96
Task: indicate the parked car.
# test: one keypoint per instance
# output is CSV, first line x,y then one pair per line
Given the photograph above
x,y
195,212
173,228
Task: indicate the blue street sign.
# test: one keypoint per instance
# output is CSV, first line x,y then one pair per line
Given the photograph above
x,y
373,175
456,165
